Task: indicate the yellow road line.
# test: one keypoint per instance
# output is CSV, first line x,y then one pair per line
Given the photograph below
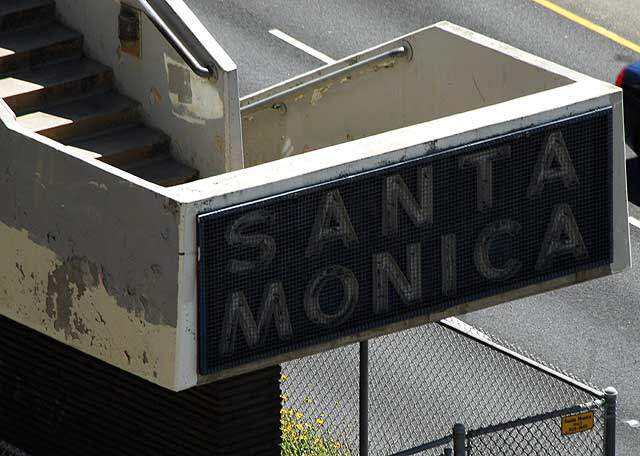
x,y
590,25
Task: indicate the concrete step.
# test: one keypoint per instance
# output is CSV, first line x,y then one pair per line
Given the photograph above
x,y
81,117
28,90
26,49
163,171
57,93
131,143
25,14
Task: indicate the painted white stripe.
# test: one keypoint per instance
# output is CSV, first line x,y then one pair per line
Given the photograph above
x,y
467,328
635,222
303,47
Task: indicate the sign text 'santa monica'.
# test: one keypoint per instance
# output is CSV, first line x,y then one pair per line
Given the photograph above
x,y
366,251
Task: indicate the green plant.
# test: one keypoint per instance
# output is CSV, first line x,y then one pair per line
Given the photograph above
x,y
303,438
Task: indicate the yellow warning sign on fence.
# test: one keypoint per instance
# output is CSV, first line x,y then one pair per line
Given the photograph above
x,y
577,423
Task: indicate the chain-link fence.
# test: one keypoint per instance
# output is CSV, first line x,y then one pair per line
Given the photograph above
x,y
423,380
586,429
417,383
543,435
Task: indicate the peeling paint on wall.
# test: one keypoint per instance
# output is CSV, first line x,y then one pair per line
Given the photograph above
x,y
73,275
287,148
98,185
180,83
319,93
220,145
129,30
154,96
76,213
193,99
67,299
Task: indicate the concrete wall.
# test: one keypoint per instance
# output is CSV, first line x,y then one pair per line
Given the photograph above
x,y
107,262
91,253
88,257
201,115
447,74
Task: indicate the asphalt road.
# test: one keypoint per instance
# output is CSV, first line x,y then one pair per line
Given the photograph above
x,y
619,16
591,330
338,28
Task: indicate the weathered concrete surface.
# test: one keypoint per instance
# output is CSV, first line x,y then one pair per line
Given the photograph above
x,y
88,257
447,73
201,115
107,262
68,299
91,252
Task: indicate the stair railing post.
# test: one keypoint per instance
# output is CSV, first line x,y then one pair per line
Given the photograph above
x,y
459,440
364,398
610,398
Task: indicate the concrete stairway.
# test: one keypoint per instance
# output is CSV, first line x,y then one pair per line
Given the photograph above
x,y
57,92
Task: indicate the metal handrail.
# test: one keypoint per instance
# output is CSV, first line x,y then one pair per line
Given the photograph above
x,y
404,50
179,36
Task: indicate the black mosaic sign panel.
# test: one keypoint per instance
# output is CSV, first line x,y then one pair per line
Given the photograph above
x,y
365,251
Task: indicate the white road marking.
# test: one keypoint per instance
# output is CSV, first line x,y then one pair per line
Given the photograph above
x,y
467,328
635,222
303,47
632,423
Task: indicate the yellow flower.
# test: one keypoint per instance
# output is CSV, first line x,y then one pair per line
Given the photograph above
x,y
283,377
319,421
284,397
298,415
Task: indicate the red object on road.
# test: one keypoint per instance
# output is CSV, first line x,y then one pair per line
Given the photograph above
x,y
620,77
629,80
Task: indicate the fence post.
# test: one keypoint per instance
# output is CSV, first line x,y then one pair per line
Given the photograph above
x,y
364,398
459,436
610,398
